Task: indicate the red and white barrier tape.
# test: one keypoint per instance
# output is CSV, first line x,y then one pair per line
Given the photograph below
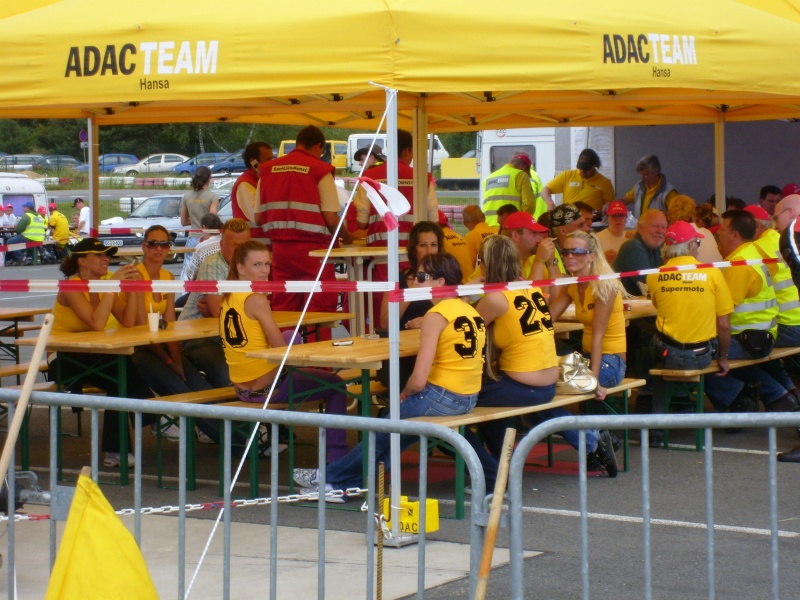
x,y
395,295
24,245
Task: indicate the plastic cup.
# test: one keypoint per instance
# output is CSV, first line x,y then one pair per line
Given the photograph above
x,y
152,320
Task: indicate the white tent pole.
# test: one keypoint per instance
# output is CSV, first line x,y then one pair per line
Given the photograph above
x,y
394,312
421,161
94,172
719,159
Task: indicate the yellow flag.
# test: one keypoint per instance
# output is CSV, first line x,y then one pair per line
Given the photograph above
x,y
98,557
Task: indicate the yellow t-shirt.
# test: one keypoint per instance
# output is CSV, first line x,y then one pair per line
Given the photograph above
x,y
60,227
524,334
743,282
614,338
475,237
454,244
685,301
241,334
66,321
151,305
595,190
458,363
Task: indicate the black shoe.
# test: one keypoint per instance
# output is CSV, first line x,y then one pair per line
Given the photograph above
x,y
656,438
743,403
616,443
605,453
785,403
792,455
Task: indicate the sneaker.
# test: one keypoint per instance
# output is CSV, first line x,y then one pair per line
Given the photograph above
x,y
112,459
170,432
265,443
605,453
307,478
785,403
202,437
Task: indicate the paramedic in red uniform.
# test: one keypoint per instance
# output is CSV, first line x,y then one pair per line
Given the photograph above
x,y
245,201
368,217
300,205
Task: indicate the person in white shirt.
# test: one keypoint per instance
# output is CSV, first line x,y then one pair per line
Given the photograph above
x,y
613,236
208,245
11,218
84,218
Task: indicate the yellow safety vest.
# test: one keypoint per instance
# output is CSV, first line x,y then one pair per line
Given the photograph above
x,y
785,289
35,231
499,190
760,311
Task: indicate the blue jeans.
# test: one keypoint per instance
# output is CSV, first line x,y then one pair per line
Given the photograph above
x,y
187,257
335,402
723,390
507,392
612,369
788,336
208,356
18,255
670,357
432,401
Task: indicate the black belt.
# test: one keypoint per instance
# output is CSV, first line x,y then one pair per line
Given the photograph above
x,y
676,344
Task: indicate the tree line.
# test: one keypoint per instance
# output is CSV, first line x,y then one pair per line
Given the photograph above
x,y
60,136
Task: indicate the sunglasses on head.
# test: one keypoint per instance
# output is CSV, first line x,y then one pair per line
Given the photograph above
x,y
422,276
576,251
157,244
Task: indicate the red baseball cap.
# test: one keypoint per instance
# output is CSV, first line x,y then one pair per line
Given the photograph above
x,y
523,220
53,206
617,208
443,219
523,158
789,189
42,210
681,232
758,212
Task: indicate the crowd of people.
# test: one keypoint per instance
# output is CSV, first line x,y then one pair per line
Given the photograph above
x,y
499,352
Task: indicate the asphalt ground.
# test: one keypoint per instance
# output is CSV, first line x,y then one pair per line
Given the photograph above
x,y
550,497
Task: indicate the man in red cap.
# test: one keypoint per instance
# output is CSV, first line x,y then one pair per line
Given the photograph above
x,y
790,189
682,339
510,184
536,250
613,236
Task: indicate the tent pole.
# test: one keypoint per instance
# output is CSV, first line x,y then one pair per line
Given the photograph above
x,y
94,175
421,165
394,313
719,159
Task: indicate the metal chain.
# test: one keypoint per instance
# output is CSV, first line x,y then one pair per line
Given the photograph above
x,y
240,503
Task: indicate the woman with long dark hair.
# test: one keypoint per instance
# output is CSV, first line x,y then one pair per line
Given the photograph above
x,y
195,203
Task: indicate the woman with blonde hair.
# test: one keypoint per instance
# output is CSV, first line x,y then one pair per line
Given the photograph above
x,y
681,208
598,305
705,218
246,325
520,328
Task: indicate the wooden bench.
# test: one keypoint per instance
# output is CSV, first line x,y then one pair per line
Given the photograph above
x,y
21,330
20,369
481,414
692,380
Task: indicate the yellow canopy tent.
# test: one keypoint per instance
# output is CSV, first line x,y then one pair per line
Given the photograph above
x,y
480,65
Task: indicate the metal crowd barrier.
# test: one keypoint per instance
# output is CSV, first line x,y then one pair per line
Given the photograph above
x,y
520,588
370,425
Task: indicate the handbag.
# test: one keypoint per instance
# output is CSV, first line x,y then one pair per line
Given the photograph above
x,y
575,376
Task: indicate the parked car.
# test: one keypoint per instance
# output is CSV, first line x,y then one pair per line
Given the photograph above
x,y
56,162
161,210
155,163
233,163
18,162
187,169
108,162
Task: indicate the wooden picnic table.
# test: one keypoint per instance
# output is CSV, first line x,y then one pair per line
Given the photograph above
x,y
15,316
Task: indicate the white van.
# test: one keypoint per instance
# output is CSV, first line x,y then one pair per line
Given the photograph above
x,y
363,140
16,189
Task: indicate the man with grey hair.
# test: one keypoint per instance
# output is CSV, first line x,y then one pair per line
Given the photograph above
x,y
684,340
643,250
653,190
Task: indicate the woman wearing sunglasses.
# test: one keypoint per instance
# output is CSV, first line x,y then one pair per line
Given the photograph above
x,y
446,378
519,328
77,312
246,325
598,305
162,366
